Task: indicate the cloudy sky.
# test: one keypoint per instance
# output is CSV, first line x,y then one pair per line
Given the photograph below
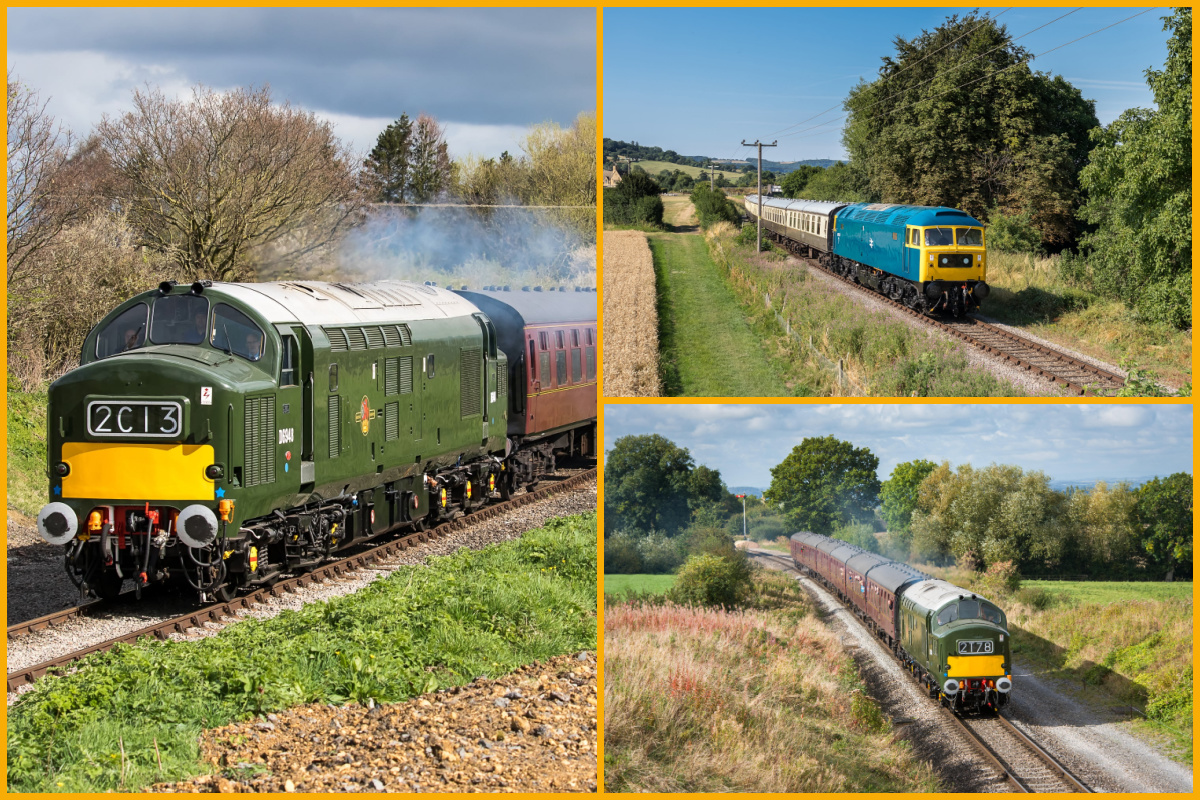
x,y
1079,442
700,80
487,74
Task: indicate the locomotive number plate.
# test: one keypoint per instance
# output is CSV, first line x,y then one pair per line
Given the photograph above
x,y
156,418
974,648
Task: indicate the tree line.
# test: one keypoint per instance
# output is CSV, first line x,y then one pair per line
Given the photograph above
x,y
218,185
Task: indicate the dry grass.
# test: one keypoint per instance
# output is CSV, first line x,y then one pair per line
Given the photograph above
x,y
630,317
703,700
679,211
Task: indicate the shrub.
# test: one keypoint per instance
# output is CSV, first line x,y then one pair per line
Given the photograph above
x,y
621,555
1013,233
710,580
713,206
1000,580
1036,598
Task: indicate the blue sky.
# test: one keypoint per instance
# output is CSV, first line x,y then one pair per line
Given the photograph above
x,y
487,74
700,80
1080,442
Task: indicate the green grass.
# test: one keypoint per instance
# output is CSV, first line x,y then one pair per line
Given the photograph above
x,y
1106,592
104,726
655,167
27,483
645,584
707,349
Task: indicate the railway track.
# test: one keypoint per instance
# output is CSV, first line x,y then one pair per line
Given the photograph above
x,y
1071,375
1018,760
217,613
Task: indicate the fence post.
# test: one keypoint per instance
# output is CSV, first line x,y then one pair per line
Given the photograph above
x,y
841,377
767,295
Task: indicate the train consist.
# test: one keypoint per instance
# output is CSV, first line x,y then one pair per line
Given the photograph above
x,y
932,259
217,436
955,642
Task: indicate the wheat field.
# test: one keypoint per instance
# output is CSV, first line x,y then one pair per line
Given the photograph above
x,y
630,317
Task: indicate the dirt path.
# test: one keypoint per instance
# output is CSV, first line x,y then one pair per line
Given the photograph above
x,y
706,347
680,214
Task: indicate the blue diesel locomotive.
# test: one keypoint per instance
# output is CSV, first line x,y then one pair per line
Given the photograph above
x,y
930,258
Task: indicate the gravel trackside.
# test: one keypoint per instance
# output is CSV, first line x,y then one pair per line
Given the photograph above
x,y
630,317
533,730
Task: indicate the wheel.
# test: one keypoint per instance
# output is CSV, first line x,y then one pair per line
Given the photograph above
x,y
225,592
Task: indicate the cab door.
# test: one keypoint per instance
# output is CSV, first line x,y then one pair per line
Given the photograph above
x,y
912,254
293,425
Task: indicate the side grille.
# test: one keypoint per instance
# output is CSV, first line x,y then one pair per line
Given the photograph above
x,y
337,339
335,425
391,421
501,382
397,336
469,361
391,376
374,337
406,376
260,441
358,339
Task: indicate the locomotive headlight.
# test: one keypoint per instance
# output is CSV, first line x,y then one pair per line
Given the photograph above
x,y
197,526
213,472
57,523
62,469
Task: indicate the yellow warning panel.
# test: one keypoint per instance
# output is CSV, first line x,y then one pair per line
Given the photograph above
x,y
137,472
975,666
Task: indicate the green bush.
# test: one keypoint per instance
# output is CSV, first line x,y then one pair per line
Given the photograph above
x,y
710,580
713,206
1037,598
1013,233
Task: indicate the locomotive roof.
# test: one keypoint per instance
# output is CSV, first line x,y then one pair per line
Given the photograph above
x,y
322,303
899,215
534,307
823,207
934,593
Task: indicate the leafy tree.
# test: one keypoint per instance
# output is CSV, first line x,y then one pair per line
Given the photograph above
x,y
720,181
713,206
646,482
635,200
794,182
957,118
430,160
1103,541
1164,512
213,178
824,483
1013,233
839,183
390,162
1139,186
899,494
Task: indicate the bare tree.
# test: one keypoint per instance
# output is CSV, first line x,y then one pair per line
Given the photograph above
x,y
430,159
39,205
208,180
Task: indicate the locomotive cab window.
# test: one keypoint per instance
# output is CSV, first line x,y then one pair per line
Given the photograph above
x,y
236,333
429,365
939,237
179,319
287,362
126,332
969,237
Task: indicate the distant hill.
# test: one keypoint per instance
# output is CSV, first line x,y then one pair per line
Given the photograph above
x,y
784,167
750,490
615,149
1063,484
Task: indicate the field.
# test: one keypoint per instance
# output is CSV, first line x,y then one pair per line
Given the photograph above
x,y
630,317
624,584
27,483
655,167
1105,592
707,347
132,716
760,700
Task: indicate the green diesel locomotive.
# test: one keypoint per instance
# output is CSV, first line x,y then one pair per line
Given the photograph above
x,y
220,435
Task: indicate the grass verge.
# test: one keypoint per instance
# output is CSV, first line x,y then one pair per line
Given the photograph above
x,y
759,700
27,483
706,348
132,716
618,585
881,357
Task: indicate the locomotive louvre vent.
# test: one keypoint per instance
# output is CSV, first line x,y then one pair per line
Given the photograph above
x,y
405,382
405,335
337,339
335,425
358,339
470,402
501,382
260,440
391,421
374,337
391,375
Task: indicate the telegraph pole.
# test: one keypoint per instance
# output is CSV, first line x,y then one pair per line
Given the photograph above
x,y
760,146
744,532
711,181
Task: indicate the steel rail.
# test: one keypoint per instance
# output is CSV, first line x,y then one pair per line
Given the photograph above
x,y
1049,760
1105,380
218,612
